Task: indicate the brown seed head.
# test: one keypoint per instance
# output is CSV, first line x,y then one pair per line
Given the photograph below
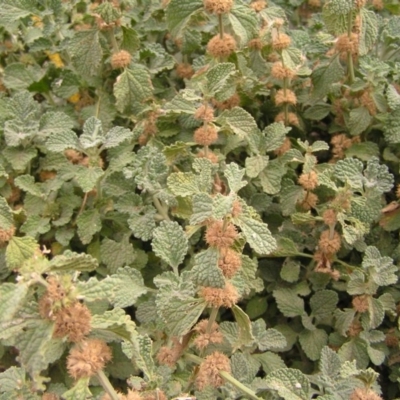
x,y
355,329
85,359
209,370
279,71
221,47
309,201
121,59
6,235
364,394
309,181
204,113
286,146
133,395
329,245
368,102
50,396
258,5
219,236
73,322
236,209
73,156
314,3
205,135
216,297
285,97
229,262
45,175
210,156
168,356
358,4
378,4
184,71
218,6
292,119
345,44
256,44
232,102
329,217
360,303
391,340
281,41
203,338
154,395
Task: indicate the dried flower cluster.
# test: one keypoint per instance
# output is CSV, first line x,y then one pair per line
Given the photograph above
x,y
204,338
87,358
221,47
121,59
220,234
218,6
208,374
217,297
205,135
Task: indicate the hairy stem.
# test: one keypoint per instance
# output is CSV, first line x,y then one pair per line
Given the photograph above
x,y
107,385
211,320
220,26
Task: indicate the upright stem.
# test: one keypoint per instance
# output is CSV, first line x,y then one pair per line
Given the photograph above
x,y
160,208
349,55
221,26
107,385
211,320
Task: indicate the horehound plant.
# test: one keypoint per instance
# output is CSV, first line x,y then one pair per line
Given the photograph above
x,y
197,199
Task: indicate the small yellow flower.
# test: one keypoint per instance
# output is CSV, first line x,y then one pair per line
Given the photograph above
x,y
37,21
55,59
74,98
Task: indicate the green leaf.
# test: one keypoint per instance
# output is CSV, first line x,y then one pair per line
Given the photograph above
x,y
19,250
11,379
114,325
87,177
257,235
219,79
234,174
243,21
350,170
323,303
18,76
290,270
329,364
288,302
143,226
130,40
89,223
324,76
376,313
369,31
12,299
312,342
244,367
86,52
37,348
355,350
183,184
377,176
254,165
128,287
359,121
335,15
391,128
179,13
27,184
290,384
202,205
206,271
318,111
245,330
19,157
66,139
6,215
80,391
116,136
117,254
92,135
170,243
269,361
144,356
132,86
36,225
364,151
271,177
285,247
381,269
239,121
275,135
71,261
12,11
268,339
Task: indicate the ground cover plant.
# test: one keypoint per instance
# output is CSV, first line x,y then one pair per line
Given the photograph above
x,y
199,199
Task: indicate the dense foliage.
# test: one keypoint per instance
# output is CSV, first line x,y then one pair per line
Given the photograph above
x,y
198,198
